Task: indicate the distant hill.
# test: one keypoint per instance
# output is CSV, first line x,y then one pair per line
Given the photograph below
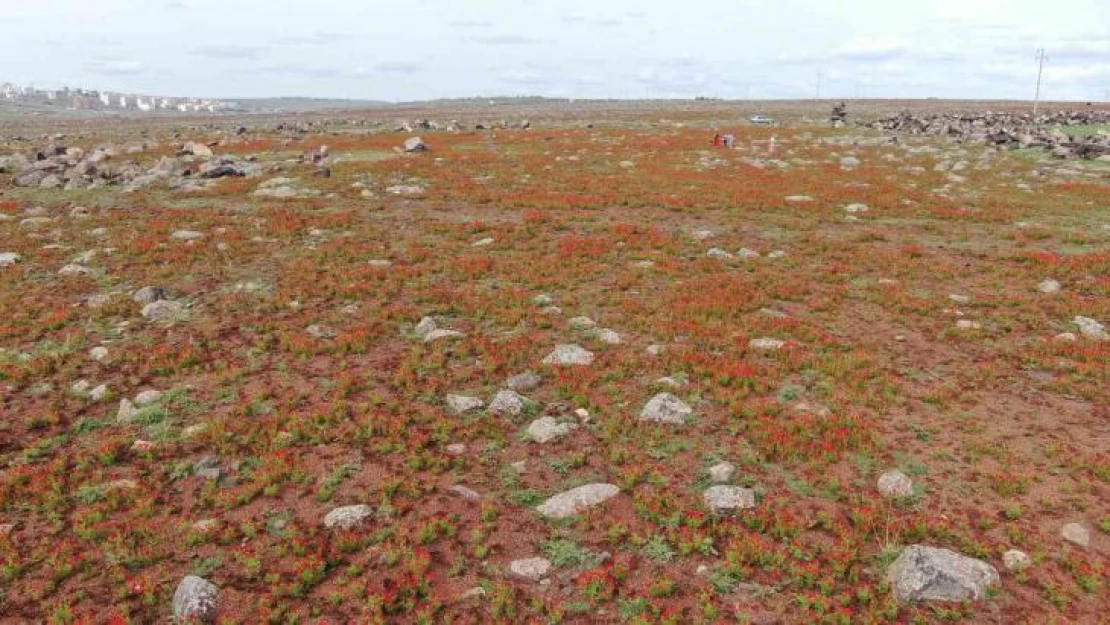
x,y
304,104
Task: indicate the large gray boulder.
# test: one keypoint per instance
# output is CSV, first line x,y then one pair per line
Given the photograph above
x,y
577,500
348,517
725,499
547,429
195,600
924,573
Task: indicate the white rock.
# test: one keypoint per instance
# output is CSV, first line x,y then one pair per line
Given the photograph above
x,y
80,386
348,517
1015,560
126,411
507,403
483,242
924,573
967,324
582,323
722,472
461,404
569,355
9,258
1076,534
577,500
1049,286
164,310
605,335
98,353
195,600
798,198
532,569
747,254
725,499
186,235
766,344
147,397
547,429
1091,329
74,270
856,208
425,327
666,408
99,393
894,484
441,334
1067,337
717,252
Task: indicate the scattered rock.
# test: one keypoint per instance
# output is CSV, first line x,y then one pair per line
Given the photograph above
x,y
524,382
196,149
1015,560
1077,534
1049,286
461,404
747,254
547,429
348,517
569,355
1091,329
577,500
507,403
415,144
441,334
321,331
9,258
894,484
605,335
74,270
195,600
464,492
722,472
582,323
531,569
924,573
164,310
967,324
126,411
717,252
186,235
723,499
766,344
98,353
150,294
147,397
666,408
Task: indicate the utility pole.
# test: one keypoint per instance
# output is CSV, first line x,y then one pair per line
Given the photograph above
x,y
1040,70
819,84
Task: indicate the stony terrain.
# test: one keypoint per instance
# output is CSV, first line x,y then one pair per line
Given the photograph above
x,y
552,364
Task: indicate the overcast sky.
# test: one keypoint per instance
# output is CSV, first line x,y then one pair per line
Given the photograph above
x,y
422,49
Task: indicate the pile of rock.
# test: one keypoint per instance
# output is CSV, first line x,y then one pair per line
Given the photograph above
x,y
1007,130
59,167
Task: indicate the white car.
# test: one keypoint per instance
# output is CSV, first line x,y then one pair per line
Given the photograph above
x,y
762,120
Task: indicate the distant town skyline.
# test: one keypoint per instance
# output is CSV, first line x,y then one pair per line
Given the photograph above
x,y
428,49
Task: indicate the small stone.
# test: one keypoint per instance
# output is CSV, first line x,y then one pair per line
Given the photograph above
x,y
608,336
1049,286
666,408
717,252
547,429
321,331
722,472
164,310
1091,329
126,411
577,500
426,326
967,324
147,397
766,344
150,294
9,258
747,254
507,403
474,593
1068,337
727,499
582,323
455,449
74,270
959,299
99,393
442,334
142,446
80,386
464,492
654,350
924,573
531,569
195,600
856,208
98,353
524,382
186,235
483,242
569,355
205,526
894,484
1077,534
543,299
1015,560
461,404
348,517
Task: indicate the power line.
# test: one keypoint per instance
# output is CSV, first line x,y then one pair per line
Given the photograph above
x,y
1040,71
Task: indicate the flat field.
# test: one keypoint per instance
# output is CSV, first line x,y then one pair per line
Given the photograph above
x,y
905,289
